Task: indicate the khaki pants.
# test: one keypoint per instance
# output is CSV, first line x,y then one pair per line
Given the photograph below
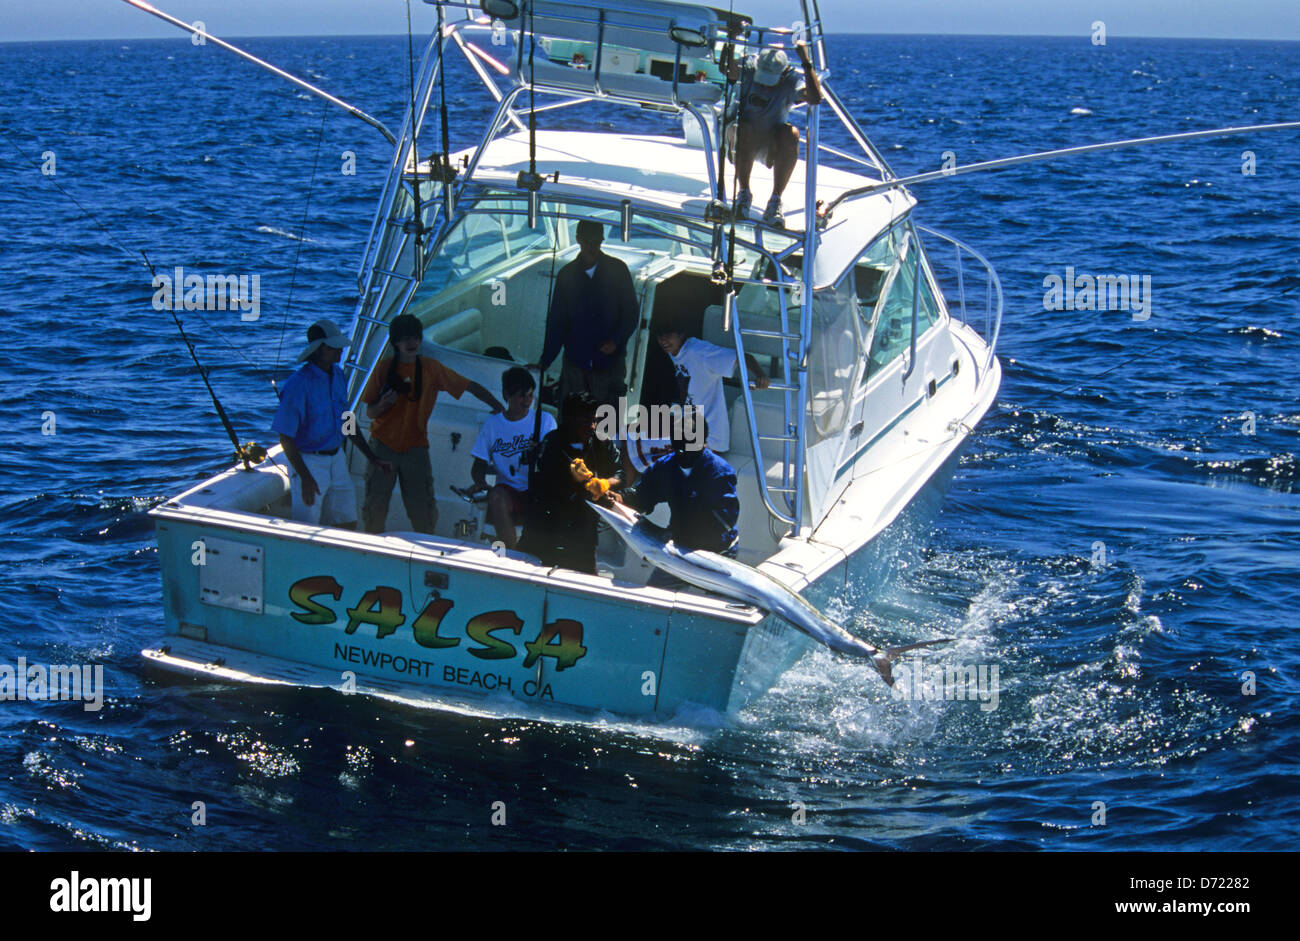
x,y
604,385
337,501
413,469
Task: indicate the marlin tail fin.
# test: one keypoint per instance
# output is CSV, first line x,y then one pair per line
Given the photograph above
x,y
883,661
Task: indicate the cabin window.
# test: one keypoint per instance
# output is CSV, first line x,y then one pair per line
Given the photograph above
x,y
885,280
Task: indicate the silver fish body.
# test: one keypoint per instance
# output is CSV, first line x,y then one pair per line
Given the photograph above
x,y
733,579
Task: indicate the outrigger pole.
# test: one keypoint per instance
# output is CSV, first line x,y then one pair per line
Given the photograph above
x,y
1052,155
304,85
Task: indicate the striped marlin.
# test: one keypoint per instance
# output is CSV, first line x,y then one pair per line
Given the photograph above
x,y
732,579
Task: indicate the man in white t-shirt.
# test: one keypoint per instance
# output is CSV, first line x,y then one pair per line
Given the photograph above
x,y
701,367
504,445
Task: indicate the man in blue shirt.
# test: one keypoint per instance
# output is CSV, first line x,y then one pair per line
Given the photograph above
x,y
593,312
311,421
700,490
769,87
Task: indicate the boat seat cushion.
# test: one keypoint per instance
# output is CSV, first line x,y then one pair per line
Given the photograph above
x,y
460,331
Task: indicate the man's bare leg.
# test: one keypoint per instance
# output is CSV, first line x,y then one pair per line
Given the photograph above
x,y
498,513
785,154
784,148
745,149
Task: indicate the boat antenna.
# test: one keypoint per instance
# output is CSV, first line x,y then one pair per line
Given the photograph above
x,y
249,452
416,225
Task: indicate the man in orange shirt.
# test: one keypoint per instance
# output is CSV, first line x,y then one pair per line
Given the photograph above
x,y
399,399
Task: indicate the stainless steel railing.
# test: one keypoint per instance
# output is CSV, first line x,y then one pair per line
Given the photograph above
x,y
993,301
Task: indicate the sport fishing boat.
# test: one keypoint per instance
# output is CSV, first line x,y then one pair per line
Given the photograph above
x,y
877,378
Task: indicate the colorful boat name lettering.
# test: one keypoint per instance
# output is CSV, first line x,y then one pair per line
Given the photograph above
x,y
382,606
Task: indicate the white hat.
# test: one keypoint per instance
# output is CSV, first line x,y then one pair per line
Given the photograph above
x,y
771,66
322,333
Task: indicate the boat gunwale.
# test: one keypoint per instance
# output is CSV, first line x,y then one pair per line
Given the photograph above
x,y
413,553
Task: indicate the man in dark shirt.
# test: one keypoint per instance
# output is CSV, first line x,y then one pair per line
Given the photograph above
x,y
560,530
700,489
593,312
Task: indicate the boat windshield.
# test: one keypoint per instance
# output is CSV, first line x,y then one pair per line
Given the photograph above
x,y
487,283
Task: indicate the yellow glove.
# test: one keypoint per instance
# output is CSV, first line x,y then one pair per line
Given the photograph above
x,y
578,468
596,487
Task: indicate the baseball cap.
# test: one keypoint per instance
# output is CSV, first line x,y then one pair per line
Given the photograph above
x,y
771,66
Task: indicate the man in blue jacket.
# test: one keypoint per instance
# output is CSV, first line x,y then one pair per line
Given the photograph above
x,y
700,490
593,312
312,421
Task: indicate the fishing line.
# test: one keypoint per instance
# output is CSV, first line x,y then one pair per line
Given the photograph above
x,y
84,211
135,257
302,231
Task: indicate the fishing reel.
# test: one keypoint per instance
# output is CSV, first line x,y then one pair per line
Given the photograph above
x,y
250,453
717,212
441,169
528,180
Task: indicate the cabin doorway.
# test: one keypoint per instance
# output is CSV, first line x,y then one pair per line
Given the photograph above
x,y
680,300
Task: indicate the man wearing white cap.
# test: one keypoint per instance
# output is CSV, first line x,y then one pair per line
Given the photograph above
x,y
310,422
769,87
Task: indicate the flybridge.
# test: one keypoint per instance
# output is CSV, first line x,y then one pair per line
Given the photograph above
x,y
645,52
656,55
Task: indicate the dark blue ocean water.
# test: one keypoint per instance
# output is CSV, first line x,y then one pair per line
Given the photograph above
x,y
1120,683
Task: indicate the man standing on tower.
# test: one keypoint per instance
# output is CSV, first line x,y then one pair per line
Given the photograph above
x,y
769,87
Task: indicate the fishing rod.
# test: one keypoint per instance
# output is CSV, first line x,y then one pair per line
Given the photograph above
x,y
724,273
529,179
716,212
416,225
444,169
250,452
1051,155
304,85
541,372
